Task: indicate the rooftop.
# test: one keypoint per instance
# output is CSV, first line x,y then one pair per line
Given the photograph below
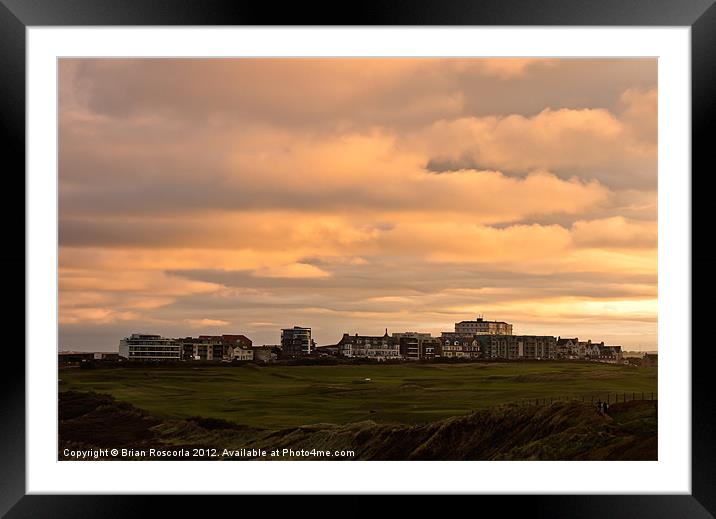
x,y
481,320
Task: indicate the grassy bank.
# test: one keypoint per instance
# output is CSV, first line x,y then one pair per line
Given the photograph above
x,y
559,431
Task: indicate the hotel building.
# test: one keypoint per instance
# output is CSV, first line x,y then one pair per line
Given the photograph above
x,y
481,327
149,347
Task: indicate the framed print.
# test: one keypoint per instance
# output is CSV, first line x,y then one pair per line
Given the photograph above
x,y
441,250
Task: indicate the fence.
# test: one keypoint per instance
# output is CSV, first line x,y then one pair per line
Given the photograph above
x,y
591,398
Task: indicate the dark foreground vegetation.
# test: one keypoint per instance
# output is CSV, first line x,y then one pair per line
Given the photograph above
x,y
558,431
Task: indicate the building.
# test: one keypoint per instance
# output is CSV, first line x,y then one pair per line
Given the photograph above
x,y
204,347
518,346
455,336
296,341
71,358
587,349
417,345
455,346
237,347
430,348
381,347
235,340
106,356
416,335
500,346
481,327
242,353
538,346
650,360
66,358
610,354
150,347
329,350
266,353
567,348
216,347
409,347
409,343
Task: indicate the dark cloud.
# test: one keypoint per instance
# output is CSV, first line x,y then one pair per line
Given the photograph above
x,y
564,83
321,91
405,277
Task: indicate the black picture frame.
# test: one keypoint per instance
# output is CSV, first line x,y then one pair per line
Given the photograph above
x,y
17,15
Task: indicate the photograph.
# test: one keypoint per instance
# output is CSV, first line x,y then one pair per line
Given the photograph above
x,y
357,259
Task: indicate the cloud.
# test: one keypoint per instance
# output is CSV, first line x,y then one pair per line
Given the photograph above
x,y
615,232
503,68
206,323
356,194
641,117
95,295
591,143
323,92
292,270
94,316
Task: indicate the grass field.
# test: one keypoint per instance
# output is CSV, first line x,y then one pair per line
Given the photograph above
x,y
286,396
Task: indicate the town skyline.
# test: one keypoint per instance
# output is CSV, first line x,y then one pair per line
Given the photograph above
x,y
513,330
221,196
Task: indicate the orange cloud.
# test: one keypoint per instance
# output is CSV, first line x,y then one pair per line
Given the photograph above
x,y
587,141
615,232
357,194
94,316
292,270
206,323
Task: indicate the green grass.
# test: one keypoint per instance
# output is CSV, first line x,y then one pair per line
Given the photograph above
x,y
286,396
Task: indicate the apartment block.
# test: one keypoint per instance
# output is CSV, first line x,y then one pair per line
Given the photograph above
x,y
296,341
417,345
149,347
518,346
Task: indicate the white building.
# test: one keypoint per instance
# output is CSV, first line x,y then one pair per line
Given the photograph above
x,y
149,347
240,353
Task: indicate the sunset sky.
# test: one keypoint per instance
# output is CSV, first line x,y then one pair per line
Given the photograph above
x,y
353,195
